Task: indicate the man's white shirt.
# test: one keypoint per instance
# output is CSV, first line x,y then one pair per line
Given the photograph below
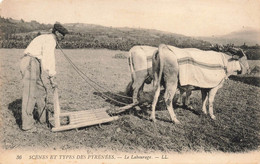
x,y
43,47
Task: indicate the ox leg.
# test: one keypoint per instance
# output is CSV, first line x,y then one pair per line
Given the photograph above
x,y
212,94
180,101
129,89
155,99
157,89
139,92
168,96
204,97
137,86
187,99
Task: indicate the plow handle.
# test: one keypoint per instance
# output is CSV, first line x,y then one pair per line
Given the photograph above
x,y
56,107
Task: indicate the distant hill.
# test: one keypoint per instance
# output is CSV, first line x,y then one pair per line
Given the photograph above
x,y
18,33
134,35
85,28
246,36
10,26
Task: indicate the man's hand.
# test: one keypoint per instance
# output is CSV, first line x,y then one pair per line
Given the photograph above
x,y
53,84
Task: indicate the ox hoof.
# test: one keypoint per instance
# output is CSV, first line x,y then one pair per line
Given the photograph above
x,y
204,111
176,121
213,117
138,108
152,119
189,107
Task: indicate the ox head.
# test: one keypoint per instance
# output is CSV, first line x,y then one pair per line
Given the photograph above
x,y
238,54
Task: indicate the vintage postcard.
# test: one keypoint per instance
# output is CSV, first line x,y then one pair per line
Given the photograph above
x,y
130,81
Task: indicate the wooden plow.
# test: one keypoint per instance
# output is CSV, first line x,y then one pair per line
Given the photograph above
x,y
77,119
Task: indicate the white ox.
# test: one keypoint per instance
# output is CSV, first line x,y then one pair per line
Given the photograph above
x,y
140,65
168,66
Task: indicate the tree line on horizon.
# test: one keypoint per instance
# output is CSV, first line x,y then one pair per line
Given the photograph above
x,y
18,34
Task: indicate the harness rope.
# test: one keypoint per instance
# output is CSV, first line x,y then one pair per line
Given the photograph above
x,y
87,79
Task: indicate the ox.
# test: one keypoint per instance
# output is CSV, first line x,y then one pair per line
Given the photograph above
x,y
167,67
140,65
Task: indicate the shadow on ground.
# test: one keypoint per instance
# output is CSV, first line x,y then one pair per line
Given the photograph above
x,y
16,108
144,107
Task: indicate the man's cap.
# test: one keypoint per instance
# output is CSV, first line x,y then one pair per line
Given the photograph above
x,y
58,27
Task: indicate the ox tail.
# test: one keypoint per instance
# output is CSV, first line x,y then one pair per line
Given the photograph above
x,y
131,67
157,73
158,64
129,88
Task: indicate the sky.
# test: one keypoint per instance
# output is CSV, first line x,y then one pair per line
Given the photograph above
x,y
187,17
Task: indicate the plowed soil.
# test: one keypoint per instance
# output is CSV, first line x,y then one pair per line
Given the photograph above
x,y
236,105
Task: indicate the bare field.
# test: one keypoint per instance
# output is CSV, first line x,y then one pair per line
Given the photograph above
x,y
236,108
